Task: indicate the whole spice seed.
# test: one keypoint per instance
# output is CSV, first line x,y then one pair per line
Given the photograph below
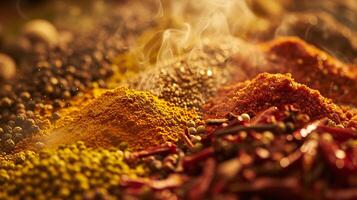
x,y
192,131
70,170
191,124
245,117
201,129
191,79
165,149
203,183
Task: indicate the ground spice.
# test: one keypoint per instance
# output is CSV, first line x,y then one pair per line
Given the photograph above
x,y
268,90
137,118
337,38
307,64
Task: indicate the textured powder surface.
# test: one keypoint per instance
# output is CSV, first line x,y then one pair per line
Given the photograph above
x,y
138,118
324,31
268,90
307,64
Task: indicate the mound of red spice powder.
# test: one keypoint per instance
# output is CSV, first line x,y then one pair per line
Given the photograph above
x,y
268,90
307,64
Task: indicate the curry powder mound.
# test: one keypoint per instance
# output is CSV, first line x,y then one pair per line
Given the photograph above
x,y
137,118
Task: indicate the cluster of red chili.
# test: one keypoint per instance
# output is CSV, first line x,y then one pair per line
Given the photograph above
x,y
278,154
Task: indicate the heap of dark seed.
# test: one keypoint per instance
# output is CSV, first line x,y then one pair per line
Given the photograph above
x,y
54,74
189,81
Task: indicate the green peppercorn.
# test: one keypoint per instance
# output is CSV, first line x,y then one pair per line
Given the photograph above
x,y
55,116
192,131
17,137
191,124
6,136
201,129
25,96
17,129
123,145
9,144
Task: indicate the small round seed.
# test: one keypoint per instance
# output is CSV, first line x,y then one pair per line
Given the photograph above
x,y
201,129
245,117
191,124
192,131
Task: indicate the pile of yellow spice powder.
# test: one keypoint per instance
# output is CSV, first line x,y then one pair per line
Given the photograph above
x,y
136,118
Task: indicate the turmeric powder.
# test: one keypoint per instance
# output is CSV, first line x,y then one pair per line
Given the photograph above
x,y
137,118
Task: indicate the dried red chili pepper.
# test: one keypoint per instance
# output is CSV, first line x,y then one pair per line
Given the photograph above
x,y
341,194
309,128
200,189
194,159
265,116
295,162
186,139
271,187
337,158
340,134
164,149
173,181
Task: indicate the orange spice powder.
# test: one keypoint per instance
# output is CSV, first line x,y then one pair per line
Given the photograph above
x,y
137,118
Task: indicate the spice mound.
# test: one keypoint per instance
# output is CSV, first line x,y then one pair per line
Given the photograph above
x,y
268,90
337,37
191,79
120,116
68,172
307,64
